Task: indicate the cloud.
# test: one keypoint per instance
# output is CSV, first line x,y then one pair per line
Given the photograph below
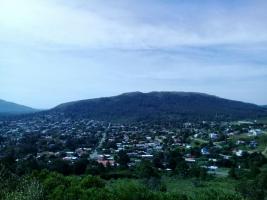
x,y
94,25
53,51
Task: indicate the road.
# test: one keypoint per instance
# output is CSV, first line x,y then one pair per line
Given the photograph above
x,y
94,155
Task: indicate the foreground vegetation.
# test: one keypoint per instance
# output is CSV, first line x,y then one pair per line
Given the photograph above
x,y
54,186
145,182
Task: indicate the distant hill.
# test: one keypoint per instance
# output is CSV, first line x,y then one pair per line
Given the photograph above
x,y
9,108
160,106
265,106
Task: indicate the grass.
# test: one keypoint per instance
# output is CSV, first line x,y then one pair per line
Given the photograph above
x,y
196,142
192,186
262,120
243,136
261,140
221,172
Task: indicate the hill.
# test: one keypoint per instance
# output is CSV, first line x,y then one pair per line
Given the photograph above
x,y
160,106
9,108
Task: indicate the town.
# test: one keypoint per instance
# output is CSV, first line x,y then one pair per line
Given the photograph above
x,y
211,145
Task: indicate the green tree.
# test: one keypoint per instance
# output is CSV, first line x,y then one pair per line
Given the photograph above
x,y
80,166
158,160
173,158
146,170
250,190
27,189
182,169
92,181
198,172
232,173
123,159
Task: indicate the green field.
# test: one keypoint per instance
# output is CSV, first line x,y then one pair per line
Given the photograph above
x,y
188,185
261,140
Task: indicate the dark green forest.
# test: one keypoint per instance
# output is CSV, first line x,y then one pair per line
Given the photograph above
x,y
86,180
160,106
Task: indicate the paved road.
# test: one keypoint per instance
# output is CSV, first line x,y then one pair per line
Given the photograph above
x,y
94,155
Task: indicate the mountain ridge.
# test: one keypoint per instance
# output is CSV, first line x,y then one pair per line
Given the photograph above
x,y
10,108
160,105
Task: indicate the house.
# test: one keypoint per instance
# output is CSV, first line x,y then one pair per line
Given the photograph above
x,y
106,162
213,136
225,157
255,132
147,156
70,158
239,153
239,142
205,151
213,159
190,160
253,144
212,168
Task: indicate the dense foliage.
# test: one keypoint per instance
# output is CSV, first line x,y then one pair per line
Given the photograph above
x,y
160,106
55,186
144,182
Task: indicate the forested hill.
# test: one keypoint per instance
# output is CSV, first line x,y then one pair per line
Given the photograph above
x,y
160,106
9,108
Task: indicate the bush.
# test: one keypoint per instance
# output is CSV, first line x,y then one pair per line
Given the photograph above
x,y
27,190
211,194
92,181
250,190
130,190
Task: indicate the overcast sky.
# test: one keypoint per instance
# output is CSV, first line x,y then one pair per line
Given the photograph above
x,y
54,51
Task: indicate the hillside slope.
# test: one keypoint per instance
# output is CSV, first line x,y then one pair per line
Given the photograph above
x,y
9,108
160,106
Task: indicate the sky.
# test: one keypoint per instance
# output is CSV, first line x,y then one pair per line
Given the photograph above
x,y
55,51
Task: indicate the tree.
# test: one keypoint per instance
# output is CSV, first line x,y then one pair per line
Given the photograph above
x,y
95,168
182,169
173,158
232,173
250,190
26,190
123,159
158,160
80,166
92,181
146,170
61,166
254,171
198,172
